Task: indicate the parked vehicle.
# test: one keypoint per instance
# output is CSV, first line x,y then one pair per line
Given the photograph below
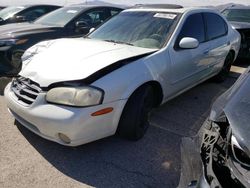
x,y
70,21
225,145
239,17
74,91
26,13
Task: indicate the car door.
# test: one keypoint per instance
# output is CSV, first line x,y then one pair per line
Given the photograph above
x,y
216,30
188,66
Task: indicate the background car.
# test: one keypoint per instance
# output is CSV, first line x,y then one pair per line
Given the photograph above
x,y
77,90
26,13
225,149
70,21
239,17
2,7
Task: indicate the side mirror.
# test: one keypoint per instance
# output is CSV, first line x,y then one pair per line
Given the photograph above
x,y
82,26
188,43
20,18
91,30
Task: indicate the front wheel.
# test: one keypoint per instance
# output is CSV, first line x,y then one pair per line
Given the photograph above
x,y
134,120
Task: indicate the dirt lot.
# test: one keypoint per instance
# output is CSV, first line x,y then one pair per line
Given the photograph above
x,y
27,160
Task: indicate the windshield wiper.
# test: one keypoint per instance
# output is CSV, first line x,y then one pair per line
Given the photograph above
x,y
119,42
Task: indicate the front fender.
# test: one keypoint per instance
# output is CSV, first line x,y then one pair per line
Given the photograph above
x,y
121,83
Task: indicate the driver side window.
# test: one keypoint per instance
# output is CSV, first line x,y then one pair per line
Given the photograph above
x,y
85,18
193,27
97,16
93,18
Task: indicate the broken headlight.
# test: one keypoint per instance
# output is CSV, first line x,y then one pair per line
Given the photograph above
x,y
78,97
239,153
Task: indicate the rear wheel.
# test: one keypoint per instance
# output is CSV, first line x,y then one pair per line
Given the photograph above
x,y
223,74
134,120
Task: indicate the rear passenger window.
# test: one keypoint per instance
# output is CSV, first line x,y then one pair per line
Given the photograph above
x,y
216,26
193,27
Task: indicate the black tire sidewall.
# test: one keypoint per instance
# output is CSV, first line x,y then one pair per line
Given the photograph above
x,y
134,119
223,74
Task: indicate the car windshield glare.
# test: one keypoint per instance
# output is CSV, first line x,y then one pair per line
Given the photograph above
x,y
239,15
59,17
8,12
137,28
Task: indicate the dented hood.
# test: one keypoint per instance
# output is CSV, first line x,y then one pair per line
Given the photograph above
x,y
73,59
240,25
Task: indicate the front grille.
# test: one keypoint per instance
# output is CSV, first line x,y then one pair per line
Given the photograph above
x,y
25,90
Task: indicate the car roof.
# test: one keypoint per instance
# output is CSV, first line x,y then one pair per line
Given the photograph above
x,y
35,5
45,5
86,6
167,8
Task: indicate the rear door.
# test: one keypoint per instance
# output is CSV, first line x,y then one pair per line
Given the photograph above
x,y
216,30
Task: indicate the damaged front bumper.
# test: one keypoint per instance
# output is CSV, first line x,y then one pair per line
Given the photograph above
x,y
219,167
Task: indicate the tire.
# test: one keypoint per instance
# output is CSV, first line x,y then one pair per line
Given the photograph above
x,y
134,119
16,59
223,74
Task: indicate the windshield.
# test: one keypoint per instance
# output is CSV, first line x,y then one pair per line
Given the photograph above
x,y
141,29
59,17
9,12
239,15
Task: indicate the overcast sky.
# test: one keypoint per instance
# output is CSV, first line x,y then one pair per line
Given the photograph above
x,y
181,2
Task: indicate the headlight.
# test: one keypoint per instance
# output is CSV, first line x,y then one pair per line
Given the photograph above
x,y
79,97
239,154
6,44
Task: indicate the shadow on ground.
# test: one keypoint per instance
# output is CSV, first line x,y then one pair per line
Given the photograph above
x,y
244,63
154,161
113,162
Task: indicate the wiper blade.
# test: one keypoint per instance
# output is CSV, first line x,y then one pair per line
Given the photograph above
x,y
119,42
